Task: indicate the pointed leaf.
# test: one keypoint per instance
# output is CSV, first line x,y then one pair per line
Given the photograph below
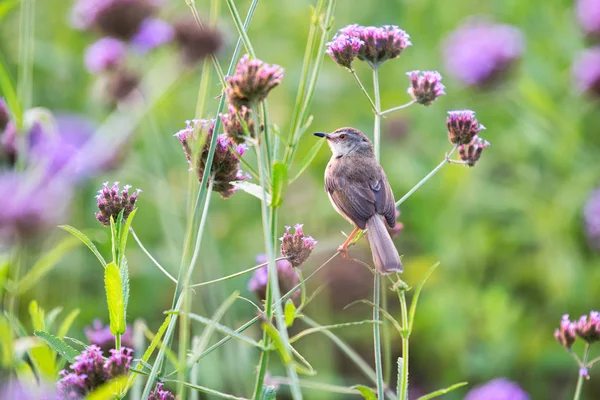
x,y
440,392
366,393
125,283
252,189
108,390
280,176
204,389
308,159
290,313
413,304
125,235
37,316
58,345
67,322
86,240
6,343
278,342
114,298
51,317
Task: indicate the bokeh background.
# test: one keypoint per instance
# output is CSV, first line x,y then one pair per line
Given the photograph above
x,y
509,233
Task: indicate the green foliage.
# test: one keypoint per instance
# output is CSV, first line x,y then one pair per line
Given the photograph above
x,y
114,297
58,345
86,240
365,392
280,181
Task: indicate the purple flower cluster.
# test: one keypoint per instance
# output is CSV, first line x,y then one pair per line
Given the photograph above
x,y
497,389
471,153
426,87
153,33
591,216
104,55
588,15
286,274
111,203
238,125
252,82
91,370
343,49
196,43
296,247
101,336
226,159
462,126
161,394
587,328
586,72
480,52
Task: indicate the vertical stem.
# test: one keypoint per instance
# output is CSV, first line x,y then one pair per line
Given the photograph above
x,y
118,341
377,126
579,386
403,389
387,339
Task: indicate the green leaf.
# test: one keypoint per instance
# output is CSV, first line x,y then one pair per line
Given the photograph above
x,y
45,264
252,189
108,390
204,389
51,317
440,392
125,235
10,94
413,304
37,316
366,392
86,240
58,345
6,343
44,360
277,341
114,239
308,159
6,6
114,298
63,329
124,269
280,176
268,393
290,313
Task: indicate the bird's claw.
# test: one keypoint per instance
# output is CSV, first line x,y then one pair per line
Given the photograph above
x,y
343,250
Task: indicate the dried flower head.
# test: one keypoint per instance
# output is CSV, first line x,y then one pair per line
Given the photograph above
x,y
100,335
425,88
233,124
196,43
480,52
588,15
252,82
462,126
586,72
111,203
118,363
588,327
497,389
161,394
296,247
343,49
4,114
471,153
153,33
591,217
105,54
378,43
286,274
565,334
226,162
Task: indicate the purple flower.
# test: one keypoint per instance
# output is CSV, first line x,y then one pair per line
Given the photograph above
x,y
586,71
111,203
471,153
497,389
480,52
588,15
286,274
424,89
105,54
344,49
71,386
161,394
8,143
234,122
13,389
462,126
91,364
589,328
196,43
297,247
153,33
252,82
378,43
4,114
118,363
100,335
565,334
591,216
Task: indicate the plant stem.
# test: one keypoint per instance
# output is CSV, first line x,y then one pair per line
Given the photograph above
x,y
362,87
234,275
410,103
580,379
429,175
160,267
242,32
377,125
403,389
118,341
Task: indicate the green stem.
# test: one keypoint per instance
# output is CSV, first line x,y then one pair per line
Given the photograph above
x,y
362,87
410,103
118,341
234,275
160,267
377,125
403,389
242,32
581,377
429,175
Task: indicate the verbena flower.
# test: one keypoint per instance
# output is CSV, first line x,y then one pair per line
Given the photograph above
x,y
161,394
4,114
286,274
71,386
565,333
588,15
296,247
15,390
426,87
232,124
153,33
196,43
462,126
118,363
91,364
100,335
497,389
111,202
252,82
226,162
105,54
378,43
591,216
480,51
471,153
588,327
586,72
343,49
8,143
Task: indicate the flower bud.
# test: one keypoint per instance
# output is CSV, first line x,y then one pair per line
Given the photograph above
x,y
344,49
161,394
196,43
588,16
565,334
252,82
471,153
233,126
297,247
111,203
586,72
424,89
105,54
462,126
589,328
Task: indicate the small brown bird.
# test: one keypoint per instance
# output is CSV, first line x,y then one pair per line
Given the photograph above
x,y
360,192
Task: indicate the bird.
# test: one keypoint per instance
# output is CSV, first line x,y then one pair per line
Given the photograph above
x,y
360,192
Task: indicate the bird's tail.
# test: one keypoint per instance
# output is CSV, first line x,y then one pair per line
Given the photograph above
x,y
385,255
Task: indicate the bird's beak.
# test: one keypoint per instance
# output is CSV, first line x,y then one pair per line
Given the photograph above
x,y
321,134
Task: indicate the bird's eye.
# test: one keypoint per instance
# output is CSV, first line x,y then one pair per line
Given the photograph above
x,y
342,136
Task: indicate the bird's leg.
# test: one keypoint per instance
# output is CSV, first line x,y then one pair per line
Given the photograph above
x,y
344,248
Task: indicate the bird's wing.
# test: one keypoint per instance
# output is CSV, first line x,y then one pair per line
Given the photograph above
x,y
384,199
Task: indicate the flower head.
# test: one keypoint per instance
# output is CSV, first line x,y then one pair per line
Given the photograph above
x,y
233,126
480,52
196,43
153,33
71,385
14,389
105,54
100,335
343,49
91,364
591,216
161,394
424,89
588,327
588,15
286,274
471,153
296,247
378,43
565,334
118,363
497,389
252,82
586,72
8,143
4,114
462,126
111,202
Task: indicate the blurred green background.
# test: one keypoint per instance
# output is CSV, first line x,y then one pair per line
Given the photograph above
x,y
508,233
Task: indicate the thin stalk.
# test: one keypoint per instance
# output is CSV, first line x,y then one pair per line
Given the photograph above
x,y
377,125
387,338
242,32
410,103
160,267
234,275
580,379
403,389
429,175
118,341
362,87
